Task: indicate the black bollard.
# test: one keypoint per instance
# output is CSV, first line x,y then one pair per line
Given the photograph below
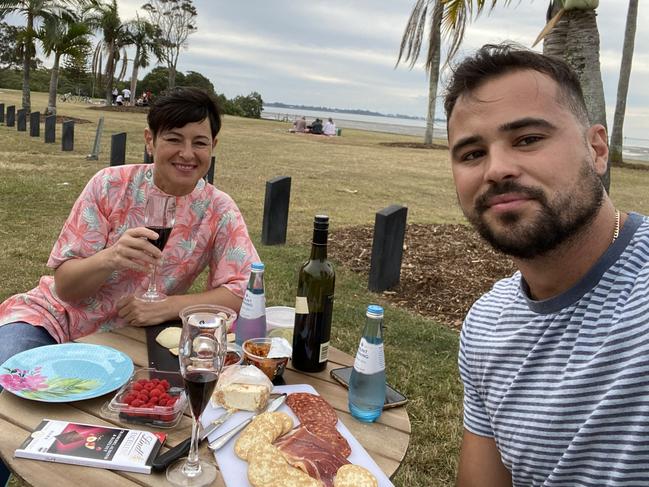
x,y
148,158
387,247
50,129
35,124
118,149
2,113
21,124
276,203
11,115
209,177
67,135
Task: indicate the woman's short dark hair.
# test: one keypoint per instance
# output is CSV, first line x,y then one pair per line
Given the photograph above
x,y
493,60
181,106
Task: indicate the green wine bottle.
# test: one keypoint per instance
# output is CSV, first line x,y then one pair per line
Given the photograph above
x,y
314,304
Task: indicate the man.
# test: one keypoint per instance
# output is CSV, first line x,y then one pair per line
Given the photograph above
x,y
126,93
555,359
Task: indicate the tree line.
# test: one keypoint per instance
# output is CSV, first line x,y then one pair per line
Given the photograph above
x,y
65,30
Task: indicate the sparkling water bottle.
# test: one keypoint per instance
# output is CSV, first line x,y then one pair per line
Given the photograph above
x,y
367,383
252,317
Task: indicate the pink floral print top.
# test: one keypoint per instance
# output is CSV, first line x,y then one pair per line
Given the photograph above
x,y
209,232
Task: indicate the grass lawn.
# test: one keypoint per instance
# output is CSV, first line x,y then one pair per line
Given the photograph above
x,y
349,178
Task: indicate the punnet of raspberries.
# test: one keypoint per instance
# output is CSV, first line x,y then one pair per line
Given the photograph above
x,y
149,398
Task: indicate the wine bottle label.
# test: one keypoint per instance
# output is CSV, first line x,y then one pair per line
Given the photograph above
x,y
324,352
301,305
369,358
253,306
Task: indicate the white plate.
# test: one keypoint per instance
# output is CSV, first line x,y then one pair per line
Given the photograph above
x,y
235,470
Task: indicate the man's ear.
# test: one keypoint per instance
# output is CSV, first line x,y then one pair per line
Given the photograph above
x,y
598,145
148,140
214,142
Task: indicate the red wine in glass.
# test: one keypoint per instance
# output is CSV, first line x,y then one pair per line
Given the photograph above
x,y
163,236
199,385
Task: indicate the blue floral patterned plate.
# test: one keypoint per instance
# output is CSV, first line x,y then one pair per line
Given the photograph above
x,y
66,372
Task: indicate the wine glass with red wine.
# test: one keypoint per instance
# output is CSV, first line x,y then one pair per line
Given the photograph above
x,y
159,216
202,350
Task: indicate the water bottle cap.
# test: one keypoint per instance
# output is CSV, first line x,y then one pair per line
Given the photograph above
x,y
257,266
375,311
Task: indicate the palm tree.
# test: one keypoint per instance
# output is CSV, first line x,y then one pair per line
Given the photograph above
x,y
623,83
448,16
33,11
143,35
104,18
61,35
411,47
571,34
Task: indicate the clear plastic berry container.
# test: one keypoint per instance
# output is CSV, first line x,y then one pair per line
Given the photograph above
x,y
151,397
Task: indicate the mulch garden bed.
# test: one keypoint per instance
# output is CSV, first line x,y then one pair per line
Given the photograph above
x,y
445,268
117,108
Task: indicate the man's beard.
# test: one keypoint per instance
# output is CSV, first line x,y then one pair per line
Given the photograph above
x,y
555,222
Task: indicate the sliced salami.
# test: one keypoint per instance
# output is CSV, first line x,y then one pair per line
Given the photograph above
x,y
331,435
311,408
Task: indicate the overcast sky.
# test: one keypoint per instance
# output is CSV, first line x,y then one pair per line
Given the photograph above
x,y
341,53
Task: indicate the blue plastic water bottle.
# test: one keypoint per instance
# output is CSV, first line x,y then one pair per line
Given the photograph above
x,y
367,383
252,317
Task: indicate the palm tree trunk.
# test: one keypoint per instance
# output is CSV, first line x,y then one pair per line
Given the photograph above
x,y
554,44
27,61
136,67
54,82
110,72
582,54
617,139
434,54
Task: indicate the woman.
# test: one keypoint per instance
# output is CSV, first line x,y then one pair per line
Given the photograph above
x,y
102,255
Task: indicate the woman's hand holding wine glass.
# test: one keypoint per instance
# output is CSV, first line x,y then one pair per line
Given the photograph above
x,y
203,347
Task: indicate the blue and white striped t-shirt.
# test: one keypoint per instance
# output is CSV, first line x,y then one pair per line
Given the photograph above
x,y
562,385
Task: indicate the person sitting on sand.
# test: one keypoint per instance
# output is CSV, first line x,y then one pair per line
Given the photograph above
x,y
329,127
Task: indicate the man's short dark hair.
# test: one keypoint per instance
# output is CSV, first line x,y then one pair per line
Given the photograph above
x,y
494,60
181,106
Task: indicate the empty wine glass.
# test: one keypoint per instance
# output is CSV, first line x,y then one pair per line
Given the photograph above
x,y
159,216
203,347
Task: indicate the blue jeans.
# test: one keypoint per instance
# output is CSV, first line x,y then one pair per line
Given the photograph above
x,y
20,336
15,338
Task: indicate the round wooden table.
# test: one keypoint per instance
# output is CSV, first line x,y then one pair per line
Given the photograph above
x,y
386,440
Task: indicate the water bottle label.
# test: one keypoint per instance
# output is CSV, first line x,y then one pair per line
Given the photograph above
x,y
324,352
253,306
369,358
301,305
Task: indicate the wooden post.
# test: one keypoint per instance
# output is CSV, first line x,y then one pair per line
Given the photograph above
x,y
276,203
11,115
209,177
35,124
21,125
2,113
50,129
387,248
94,155
118,149
67,135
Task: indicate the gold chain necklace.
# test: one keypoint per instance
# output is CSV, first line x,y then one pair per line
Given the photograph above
x,y
616,233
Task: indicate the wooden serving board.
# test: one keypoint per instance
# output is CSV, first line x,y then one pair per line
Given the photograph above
x,y
234,470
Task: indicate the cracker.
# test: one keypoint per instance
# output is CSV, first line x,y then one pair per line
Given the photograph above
x,y
169,337
287,422
354,476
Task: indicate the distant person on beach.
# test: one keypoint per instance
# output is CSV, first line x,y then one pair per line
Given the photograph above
x,y
315,127
115,93
119,101
126,93
329,127
299,126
